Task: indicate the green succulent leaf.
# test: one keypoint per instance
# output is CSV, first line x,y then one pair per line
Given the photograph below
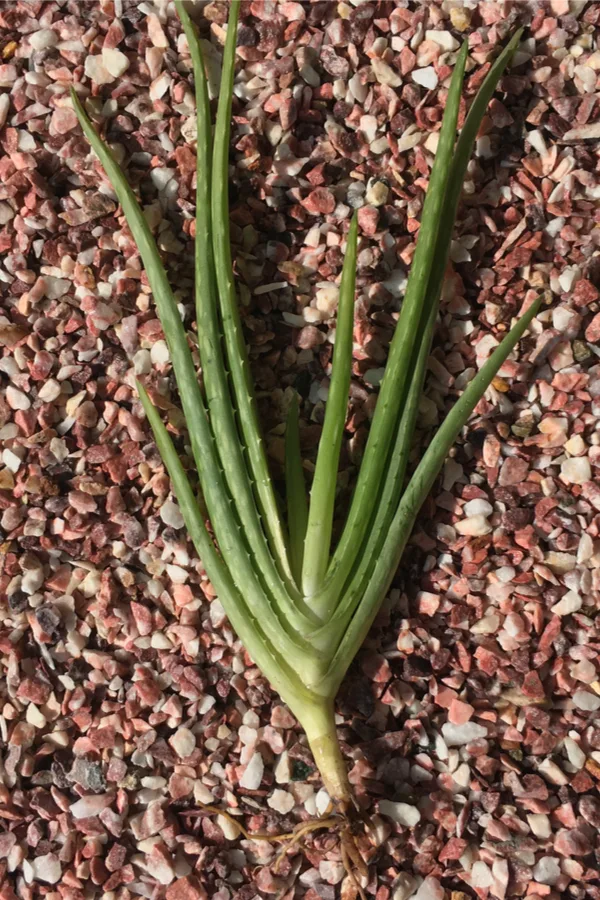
x,y
322,496
295,491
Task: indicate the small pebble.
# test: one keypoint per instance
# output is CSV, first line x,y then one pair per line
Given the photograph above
x,y
47,868
171,514
17,399
577,470
475,526
547,870
402,813
426,77
457,735
183,742
586,701
281,801
253,773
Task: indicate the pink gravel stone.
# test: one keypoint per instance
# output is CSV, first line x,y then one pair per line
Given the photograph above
x,y
186,888
592,332
572,842
319,201
112,633
459,712
513,471
368,219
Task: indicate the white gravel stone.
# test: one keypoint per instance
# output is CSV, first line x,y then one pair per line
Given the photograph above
x,y
47,868
49,391
253,774
570,603
357,88
384,74
444,39
171,514
479,507
540,825
327,299
403,813
322,802
457,735
583,132
16,399
283,769
564,319
32,580
404,886
505,574
551,772
577,470
568,277
575,446
4,107
547,870
35,717
331,872
161,176
575,754
474,526
481,875
42,39
11,460
560,562
488,624
115,62
177,574
247,735
377,194
426,77
91,805
230,830
159,353
183,742
586,701
281,801
160,868
156,33
368,125
97,71
409,139
431,889
160,86
587,76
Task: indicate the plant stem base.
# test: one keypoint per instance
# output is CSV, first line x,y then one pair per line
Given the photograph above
x,y
319,724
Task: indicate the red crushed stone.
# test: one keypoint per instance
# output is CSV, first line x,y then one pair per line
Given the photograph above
x,y
473,708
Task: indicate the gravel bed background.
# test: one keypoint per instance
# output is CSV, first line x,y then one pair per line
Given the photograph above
x,y
471,718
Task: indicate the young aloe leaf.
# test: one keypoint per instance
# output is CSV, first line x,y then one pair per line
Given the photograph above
x,y
322,495
295,491
284,678
396,379
277,626
399,455
418,488
234,338
222,417
191,397
313,709
366,557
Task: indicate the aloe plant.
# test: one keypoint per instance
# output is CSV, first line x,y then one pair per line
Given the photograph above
x,y
301,607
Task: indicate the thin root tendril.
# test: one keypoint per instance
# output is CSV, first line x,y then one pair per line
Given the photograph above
x,y
339,823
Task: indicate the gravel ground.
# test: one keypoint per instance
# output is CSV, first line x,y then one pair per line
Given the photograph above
x,y
126,698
